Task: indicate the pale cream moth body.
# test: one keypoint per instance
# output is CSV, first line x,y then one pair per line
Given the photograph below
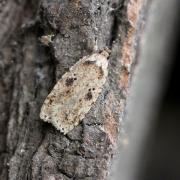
x,y
73,95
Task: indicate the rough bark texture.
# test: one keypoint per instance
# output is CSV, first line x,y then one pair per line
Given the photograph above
x,y
30,148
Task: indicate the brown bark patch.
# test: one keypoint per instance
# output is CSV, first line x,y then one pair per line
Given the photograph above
x,y
76,3
132,14
133,9
127,50
111,129
111,122
124,79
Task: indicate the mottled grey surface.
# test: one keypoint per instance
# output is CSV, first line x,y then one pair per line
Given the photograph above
x,y
30,148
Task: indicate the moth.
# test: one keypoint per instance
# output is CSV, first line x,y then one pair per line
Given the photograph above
x,y
74,94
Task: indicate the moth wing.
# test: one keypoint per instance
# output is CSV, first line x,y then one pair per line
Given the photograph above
x,y
73,95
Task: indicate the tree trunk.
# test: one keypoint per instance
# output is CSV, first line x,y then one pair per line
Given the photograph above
x,y
30,65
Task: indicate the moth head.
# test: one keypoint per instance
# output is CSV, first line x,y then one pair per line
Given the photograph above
x,y
106,52
43,114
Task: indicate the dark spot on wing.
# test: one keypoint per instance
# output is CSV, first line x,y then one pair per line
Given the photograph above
x,y
68,91
88,96
89,62
50,101
100,73
69,81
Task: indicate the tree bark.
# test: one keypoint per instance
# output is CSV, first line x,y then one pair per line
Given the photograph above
x,y
29,147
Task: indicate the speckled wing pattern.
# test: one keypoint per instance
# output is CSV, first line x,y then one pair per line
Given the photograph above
x,y
73,95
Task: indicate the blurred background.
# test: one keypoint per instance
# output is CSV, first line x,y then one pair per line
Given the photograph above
x,y
153,113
